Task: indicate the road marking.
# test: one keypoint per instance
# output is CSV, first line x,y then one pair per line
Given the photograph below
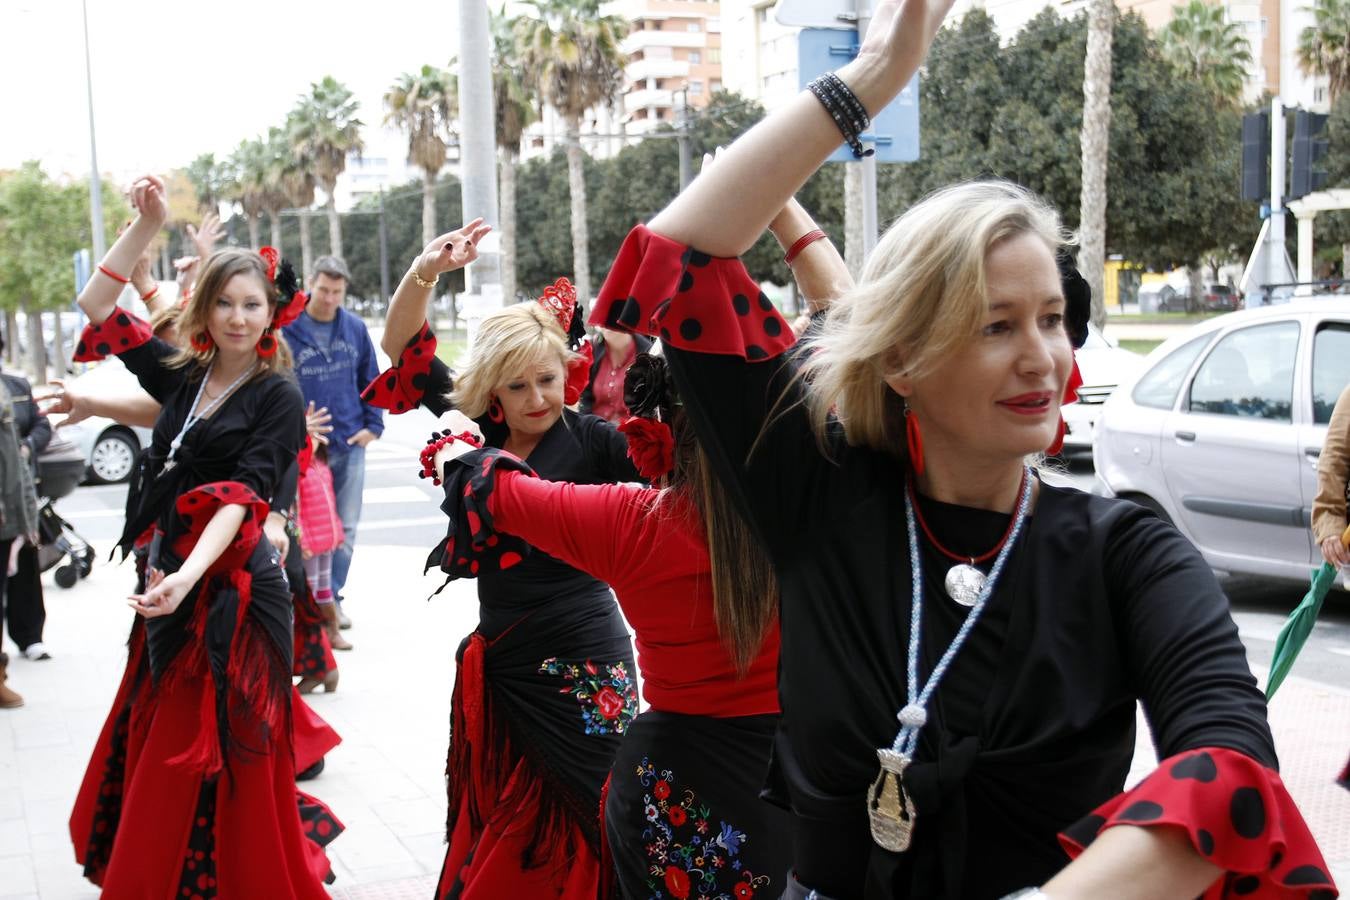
x,y
399,493
382,524
1339,651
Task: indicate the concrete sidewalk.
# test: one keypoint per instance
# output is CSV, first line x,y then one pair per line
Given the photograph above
x,y
392,708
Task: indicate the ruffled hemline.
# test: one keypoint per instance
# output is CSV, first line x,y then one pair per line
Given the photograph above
x,y
401,387
120,332
472,546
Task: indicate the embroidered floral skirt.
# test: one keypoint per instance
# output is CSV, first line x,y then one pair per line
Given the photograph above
x,y
539,712
683,815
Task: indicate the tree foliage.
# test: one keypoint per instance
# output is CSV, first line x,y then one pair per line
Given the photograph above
x,y
1324,46
1202,44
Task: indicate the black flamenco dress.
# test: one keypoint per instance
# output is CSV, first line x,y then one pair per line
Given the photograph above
x,y
199,797
1030,736
545,686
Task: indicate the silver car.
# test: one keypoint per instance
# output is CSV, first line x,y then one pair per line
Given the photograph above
x,y
1103,365
1221,429
111,449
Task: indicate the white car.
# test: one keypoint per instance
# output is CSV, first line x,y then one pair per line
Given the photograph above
x,y
1103,365
1221,430
111,449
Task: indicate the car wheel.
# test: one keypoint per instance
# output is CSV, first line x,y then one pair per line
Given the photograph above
x,y
112,459
1150,504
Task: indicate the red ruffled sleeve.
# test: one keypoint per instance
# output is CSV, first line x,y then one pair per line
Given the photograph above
x,y
198,505
579,373
689,299
472,545
1236,813
121,331
400,388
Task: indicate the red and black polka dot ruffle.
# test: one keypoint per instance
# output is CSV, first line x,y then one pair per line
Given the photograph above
x,y
1236,813
472,546
198,505
120,332
579,373
400,388
690,300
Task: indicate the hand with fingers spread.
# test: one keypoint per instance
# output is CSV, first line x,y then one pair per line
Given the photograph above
x,y
62,400
451,251
205,236
318,423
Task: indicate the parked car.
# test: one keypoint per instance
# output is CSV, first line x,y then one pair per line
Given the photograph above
x,y
1220,298
1220,432
110,449
1103,365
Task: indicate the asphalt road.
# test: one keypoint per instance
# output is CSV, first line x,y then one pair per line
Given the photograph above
x,y
402,510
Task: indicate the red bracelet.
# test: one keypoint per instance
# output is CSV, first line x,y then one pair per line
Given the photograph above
x,y
113,275
428,455
802,243
150,294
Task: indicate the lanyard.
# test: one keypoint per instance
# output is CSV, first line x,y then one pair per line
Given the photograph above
x,y
194,417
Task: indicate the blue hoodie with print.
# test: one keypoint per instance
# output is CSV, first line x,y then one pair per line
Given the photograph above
x,y
334,377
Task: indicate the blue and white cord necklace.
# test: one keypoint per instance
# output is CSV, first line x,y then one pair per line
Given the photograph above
x,y
889,808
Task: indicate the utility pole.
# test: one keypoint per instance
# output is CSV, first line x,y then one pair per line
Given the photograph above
x,y
478,160
95,185
860,183
384,256
868,163
1275,269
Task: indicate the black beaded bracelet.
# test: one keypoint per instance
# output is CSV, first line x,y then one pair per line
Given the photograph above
x,y
849,115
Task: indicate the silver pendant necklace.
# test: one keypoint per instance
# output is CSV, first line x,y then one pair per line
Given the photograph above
x,y
194,416
890,811
964,583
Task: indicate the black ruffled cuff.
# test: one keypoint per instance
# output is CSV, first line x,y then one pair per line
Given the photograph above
x,y
690,300
471,546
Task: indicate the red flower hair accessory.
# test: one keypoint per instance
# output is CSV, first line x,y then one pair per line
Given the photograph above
x,y
290,299
271,258
560,299
651,446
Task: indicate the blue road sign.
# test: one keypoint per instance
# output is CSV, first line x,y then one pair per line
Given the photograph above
x,y
895,129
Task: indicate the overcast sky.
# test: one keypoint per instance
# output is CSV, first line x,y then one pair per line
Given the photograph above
x,y
175,79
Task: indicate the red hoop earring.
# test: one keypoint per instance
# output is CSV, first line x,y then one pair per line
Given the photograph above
x,y
267,345
494,411
1058,443
915,441
201,341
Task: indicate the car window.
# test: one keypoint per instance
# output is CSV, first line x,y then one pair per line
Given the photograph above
x,y
1249,373
1159,385
1330,368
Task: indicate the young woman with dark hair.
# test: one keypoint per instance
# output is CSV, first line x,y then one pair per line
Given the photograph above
x,y
208,807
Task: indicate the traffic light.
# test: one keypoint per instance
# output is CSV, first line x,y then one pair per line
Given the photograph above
x,y
1308,173
1256,155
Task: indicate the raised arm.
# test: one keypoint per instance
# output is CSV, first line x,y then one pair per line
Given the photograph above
x,y
99,297
767,165
819,270
408,307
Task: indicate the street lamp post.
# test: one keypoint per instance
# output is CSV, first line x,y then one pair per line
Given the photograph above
x,y
477,159
95,187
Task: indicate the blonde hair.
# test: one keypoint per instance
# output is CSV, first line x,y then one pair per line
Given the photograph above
x,y
219,269
922,294
509,340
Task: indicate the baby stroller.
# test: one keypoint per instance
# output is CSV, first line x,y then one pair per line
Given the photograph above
x,y
60,469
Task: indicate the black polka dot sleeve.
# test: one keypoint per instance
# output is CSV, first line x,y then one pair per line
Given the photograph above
x,y
472,544
417,378
129,337
730,354
1235,812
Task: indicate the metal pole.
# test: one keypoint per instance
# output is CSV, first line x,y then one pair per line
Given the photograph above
x,y
477,156
869,163
95,187
682,138
1275,255
384,255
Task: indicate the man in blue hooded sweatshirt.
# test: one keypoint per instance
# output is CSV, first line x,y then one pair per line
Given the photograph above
x,y
334,361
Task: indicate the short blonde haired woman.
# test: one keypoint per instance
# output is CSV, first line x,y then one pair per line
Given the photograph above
x,y
545,686
963,646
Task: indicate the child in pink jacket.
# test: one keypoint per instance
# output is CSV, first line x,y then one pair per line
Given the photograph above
x,y
320,535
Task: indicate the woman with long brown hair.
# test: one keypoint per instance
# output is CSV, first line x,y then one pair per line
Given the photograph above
x,y
209,805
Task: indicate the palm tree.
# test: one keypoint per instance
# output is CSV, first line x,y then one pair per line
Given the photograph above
x,y
324,130
1324,47
297,181
514,113
571,55
1094,139
276,153
425,106
1205,46
209,181
249,162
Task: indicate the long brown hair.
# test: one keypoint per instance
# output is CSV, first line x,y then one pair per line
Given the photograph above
x,y
219,269
744,587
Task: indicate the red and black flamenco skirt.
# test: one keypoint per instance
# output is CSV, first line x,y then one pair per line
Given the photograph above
x,y
313,651
206,805
683,814
538,714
